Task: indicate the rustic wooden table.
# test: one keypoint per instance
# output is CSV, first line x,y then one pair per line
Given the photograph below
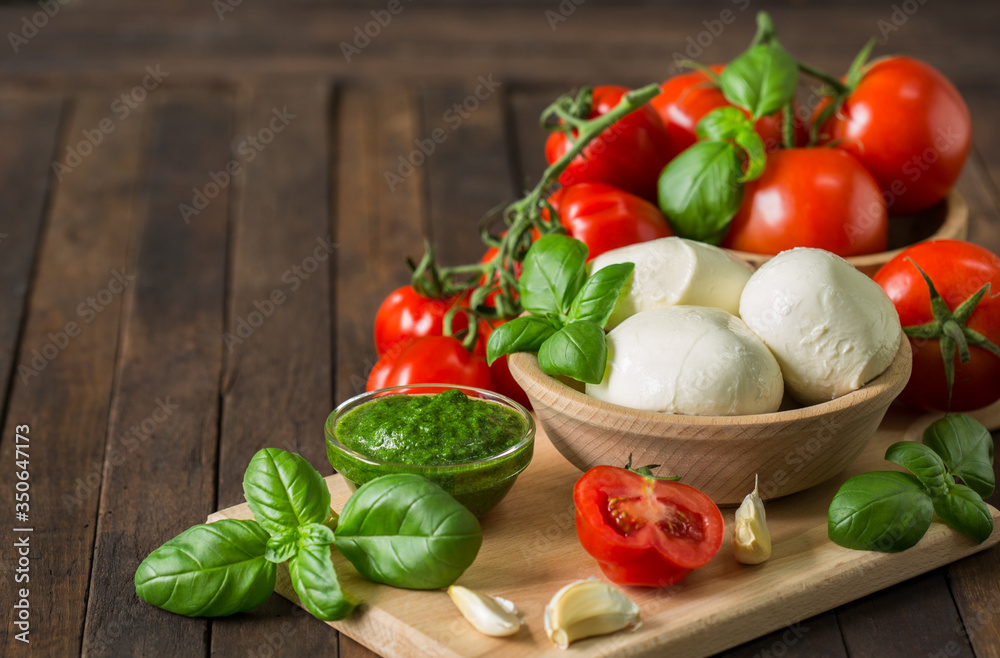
x,y
203,203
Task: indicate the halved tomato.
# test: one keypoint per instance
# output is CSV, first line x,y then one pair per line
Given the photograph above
x,y
643,530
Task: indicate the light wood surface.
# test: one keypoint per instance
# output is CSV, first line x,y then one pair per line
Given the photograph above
x,y
530,550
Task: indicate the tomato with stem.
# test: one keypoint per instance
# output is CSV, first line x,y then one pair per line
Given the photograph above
x,y
431,360
405,313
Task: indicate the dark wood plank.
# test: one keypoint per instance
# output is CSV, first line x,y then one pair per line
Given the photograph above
x,y
637,44
66,367
29,126
277,388
981,179
529,137
817,637
468,169
167,382
897,625
379,222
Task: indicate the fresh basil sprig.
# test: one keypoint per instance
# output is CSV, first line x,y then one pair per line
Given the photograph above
x,y
406,531
890,511
229,566
569,310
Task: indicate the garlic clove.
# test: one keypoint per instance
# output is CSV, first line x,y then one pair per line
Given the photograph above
x,y
490,615
751,538
586,608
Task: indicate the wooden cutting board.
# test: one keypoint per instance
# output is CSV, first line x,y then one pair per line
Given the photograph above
x,y
530,550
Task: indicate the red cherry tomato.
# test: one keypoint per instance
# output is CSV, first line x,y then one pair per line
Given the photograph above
x,y
818,197
405,313
504,382
644,531
605,217
910,127
431,360
630,154
958,269
685,99
491,252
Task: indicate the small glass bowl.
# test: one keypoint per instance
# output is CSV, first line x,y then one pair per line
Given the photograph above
x,y
479,484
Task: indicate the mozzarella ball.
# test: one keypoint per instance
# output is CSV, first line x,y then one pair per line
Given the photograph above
x,y
831,328
689,360
674,271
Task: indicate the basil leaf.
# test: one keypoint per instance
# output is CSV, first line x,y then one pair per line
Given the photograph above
x,y
700,192
285,491
578,350
282,546
723,124
880,511
524,334
405,531
554,270
922,462
209,570
600,293
315,581
761,80
964,510
315,533
967,450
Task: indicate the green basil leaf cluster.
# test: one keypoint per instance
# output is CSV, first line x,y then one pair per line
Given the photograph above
x,y
701,189
229,566
890,511
405,531
569,310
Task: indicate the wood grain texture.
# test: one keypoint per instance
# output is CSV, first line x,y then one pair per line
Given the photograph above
x,y
29,126
276,383
66,366
380,221
530,550
165,408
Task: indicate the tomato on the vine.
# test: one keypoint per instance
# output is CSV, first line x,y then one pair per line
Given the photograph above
x,y
629,154
430,360
811,197
958,270
405,313
910,128
686,98
642,530
605,217
503,382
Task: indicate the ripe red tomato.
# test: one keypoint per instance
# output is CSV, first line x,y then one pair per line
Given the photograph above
x,y
818,197
430,360
605,218
630,154
684,99
503,382
910,127
405,313
644,531
491,252
958,269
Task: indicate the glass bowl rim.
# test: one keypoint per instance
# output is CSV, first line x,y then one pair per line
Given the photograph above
x,y
527,439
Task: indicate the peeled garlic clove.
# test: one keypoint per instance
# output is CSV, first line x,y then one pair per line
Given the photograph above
x,y
490,615
751,538
586,608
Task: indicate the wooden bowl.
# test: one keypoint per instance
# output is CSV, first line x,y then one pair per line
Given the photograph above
x,y
948,220
789,450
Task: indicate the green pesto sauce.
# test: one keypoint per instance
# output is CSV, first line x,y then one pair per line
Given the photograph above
x,y
430,430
